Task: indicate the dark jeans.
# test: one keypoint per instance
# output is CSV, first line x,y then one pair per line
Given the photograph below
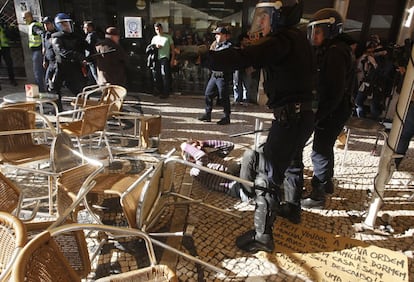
x,y
376,105
324,139
162,75
38,70
218,86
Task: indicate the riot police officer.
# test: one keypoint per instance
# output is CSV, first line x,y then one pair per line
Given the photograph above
x,y
284,54
334,90
69,48
49,57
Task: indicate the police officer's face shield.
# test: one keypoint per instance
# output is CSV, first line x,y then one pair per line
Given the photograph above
x,y
267,16
65,26
320,30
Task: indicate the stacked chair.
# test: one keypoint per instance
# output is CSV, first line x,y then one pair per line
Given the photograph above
x,y
46,256
19,147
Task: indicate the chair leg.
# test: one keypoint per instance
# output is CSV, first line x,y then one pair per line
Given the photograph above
x,y
111,157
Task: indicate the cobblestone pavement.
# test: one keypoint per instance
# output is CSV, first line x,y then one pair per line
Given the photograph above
x,y
213,233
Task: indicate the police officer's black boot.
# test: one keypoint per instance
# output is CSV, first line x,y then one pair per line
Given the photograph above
x,y
261,238
317,197
206,117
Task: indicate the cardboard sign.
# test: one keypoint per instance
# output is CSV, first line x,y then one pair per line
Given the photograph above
x,y
322,256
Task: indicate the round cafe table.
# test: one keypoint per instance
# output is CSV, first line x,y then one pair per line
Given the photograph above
x,y
44,98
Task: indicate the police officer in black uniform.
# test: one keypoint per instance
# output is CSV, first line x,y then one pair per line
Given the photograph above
x,y
69,48
284,54
49,57
334,90
219,81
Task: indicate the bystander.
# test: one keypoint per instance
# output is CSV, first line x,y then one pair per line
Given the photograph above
x,y
111,59
165,58
35,32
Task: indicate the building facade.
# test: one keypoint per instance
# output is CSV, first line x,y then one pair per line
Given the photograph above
x,y
190,22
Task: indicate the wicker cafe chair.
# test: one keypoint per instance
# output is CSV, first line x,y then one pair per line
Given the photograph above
x,y
92,121
362,126
12,239
18,148
75,177
146,126
139,195
29,106
108,94
11,199
42,260
72,244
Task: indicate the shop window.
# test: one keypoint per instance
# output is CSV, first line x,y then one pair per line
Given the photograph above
x,y
190,23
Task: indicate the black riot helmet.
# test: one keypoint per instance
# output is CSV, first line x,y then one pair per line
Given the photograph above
x,y
271,15
64,23
329,20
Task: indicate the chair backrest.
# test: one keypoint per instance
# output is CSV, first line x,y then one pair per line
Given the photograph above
x,y
15,119
94,119
69,184
10,195
12,239
28,106
75,174
42,260
113,95
139,203
150,127
62,153
72,244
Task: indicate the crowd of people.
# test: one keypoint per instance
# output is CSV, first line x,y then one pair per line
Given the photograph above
x,y
296,65
63,56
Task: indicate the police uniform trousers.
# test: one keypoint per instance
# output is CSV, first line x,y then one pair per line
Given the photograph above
x,y
218,85
50,75
283,155
326,132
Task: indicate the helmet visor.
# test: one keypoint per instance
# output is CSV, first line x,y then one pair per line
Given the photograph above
x,y
261,23
65,25
264,15
319,30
